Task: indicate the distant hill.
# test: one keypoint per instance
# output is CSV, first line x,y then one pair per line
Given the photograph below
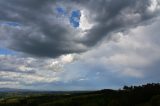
x,y
144,95
7,89
13,90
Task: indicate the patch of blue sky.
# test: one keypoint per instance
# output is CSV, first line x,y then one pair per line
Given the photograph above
x,y
10,23
75,18
5,51
61,11
13,24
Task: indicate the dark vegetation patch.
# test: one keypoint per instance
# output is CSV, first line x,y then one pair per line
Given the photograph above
x,y
145,95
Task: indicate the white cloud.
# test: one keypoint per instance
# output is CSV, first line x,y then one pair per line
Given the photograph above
x,y
129,53
85,21
154,6
27,70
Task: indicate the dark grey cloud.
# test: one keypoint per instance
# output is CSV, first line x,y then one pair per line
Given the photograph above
x,y
113,15
41,34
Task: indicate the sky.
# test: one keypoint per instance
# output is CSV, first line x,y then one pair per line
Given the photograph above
x,y
79,44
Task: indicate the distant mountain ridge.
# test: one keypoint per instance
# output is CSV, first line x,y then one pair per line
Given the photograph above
x,y
14,90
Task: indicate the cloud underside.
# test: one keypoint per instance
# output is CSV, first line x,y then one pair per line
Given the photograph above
x,y
115,43
43,34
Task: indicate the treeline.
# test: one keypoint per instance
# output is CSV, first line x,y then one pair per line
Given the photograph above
x,y
144,95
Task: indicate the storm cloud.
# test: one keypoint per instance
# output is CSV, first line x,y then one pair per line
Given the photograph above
x,y
40,32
